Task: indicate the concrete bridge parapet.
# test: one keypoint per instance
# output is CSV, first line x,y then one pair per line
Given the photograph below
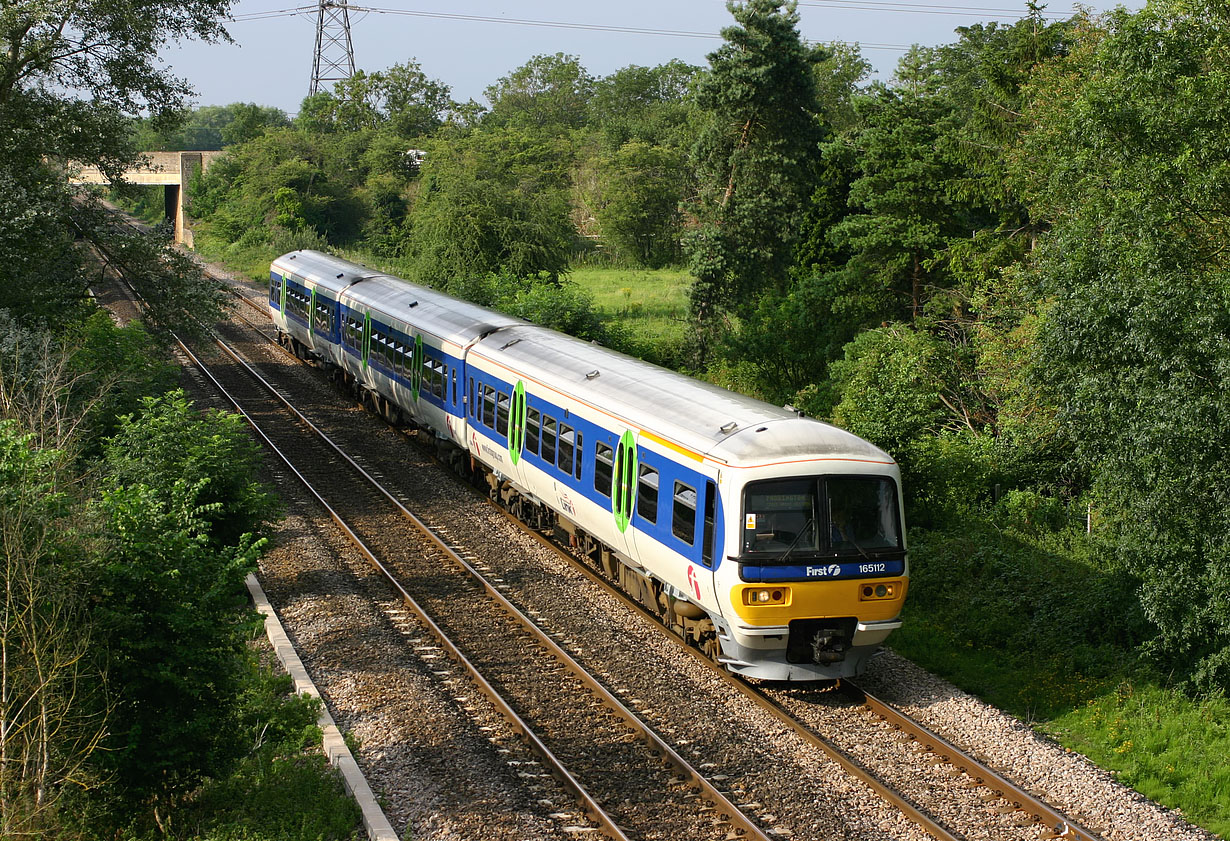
x,y
171,169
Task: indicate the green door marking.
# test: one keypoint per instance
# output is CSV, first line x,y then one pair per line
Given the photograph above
x,y
623,482
282,292
516,423
312,312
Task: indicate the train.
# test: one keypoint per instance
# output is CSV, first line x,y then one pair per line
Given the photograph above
x,y
773,542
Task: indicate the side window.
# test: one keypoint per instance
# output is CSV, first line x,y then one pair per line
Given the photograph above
x,y
275,289
604,468
566,447
489,406
683,516
454,386
548,439
501,415
580,454
647,494
532,431
706,550
471,397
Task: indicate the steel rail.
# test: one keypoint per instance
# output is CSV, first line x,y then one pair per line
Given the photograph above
x,y
1055,824
741,823
831,750
556,767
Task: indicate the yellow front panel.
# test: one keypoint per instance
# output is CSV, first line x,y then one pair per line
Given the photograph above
x,y
822,599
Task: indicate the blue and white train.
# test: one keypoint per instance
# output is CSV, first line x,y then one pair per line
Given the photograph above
x,y
773,542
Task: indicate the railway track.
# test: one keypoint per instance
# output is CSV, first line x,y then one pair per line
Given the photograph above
x,y
1030,815
628,780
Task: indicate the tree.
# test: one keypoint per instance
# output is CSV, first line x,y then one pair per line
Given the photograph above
x,y
401,99
754,158
1126,158
649,104
51,717
547,92
641,189
493,202
53,54
179,508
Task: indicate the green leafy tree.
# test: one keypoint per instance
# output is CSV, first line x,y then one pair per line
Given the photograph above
x,y
547,92
73,76
288,179
209,127
49,698
180,508
754,158
493,202
1127,159
401,99
642,187
650,104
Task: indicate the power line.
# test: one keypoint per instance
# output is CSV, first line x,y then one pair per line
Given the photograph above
x,y
853,5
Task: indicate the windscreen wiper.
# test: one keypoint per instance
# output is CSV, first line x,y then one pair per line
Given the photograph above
x,y
797,538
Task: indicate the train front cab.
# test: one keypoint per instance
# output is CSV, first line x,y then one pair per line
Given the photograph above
x,y
818,574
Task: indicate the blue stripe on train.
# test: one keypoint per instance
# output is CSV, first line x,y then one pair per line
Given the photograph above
x,y
821,570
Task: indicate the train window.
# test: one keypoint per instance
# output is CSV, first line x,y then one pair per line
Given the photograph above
x,y
683,516
488,406
501,416
706,550
438,379
548,439
580,454
275,289
532,427
566,448
647,494
324,315
604,468
471,397
454,371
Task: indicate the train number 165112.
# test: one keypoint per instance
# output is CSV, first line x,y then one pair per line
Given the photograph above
x,y
866,568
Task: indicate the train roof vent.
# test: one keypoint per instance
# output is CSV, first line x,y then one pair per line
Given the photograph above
x,y
510,344
729,427
340,275
592,374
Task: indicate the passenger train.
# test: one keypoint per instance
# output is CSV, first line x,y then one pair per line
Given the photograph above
x,y
773,542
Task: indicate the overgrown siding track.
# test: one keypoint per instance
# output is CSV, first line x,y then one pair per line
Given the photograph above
x,y
768,769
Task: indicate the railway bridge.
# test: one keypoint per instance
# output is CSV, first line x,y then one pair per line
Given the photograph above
x,y
170,169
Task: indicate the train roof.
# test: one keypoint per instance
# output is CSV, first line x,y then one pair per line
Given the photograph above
x,y
697,416
324,270
689,413
456,321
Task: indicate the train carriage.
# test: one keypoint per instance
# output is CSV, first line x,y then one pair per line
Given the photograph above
x,y
304,288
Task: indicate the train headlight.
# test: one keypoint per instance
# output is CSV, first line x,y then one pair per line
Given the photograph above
x,y
882,590
764,596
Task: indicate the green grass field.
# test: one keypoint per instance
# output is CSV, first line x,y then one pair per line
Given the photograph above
x,y
648,307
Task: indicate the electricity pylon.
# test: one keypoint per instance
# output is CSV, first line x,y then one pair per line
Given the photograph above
x,y
334,59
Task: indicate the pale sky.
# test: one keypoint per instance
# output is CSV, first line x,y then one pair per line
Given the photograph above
x,y
469,44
